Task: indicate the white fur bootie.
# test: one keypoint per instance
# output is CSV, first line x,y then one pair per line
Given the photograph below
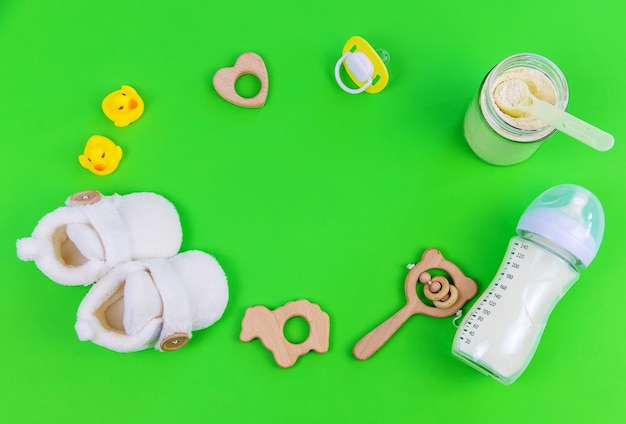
x,y
153,302
79,243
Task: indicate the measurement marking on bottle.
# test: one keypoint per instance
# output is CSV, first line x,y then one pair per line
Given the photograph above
x,y
494,295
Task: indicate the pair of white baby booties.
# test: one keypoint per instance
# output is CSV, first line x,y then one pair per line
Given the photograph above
x,y
146,294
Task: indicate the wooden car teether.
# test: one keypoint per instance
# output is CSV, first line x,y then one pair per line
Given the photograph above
x,y
248,63
447,298
259,322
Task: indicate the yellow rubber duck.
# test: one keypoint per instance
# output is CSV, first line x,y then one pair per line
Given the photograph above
x,y
123,106
101,155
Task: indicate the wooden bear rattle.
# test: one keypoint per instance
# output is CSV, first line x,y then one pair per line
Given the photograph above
x,y
447,298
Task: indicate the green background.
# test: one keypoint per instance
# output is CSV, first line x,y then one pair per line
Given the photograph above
x,y
318,195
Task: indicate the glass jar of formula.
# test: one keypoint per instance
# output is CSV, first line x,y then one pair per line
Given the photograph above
x,y
502,139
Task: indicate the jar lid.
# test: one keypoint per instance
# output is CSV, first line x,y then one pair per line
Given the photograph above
x,y
569,216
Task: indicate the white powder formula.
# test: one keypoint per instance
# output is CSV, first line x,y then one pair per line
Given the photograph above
x,y
505,93
501,332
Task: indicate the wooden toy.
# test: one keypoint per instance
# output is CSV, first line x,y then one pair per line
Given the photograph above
x,y
447,299
225,78
259,322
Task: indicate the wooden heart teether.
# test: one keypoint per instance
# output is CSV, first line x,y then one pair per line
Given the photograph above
x,y
248,63
447,298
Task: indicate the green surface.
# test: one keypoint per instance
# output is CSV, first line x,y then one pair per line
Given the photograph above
x,y
318,195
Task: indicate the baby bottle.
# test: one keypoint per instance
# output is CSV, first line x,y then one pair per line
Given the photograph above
x,y
558,235
499,138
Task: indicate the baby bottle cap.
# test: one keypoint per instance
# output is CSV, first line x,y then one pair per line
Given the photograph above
x,y
569,216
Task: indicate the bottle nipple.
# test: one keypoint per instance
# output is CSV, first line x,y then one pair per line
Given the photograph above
x,y
575,206
578,202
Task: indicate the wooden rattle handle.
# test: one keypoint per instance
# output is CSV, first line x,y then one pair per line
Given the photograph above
x,y
374,340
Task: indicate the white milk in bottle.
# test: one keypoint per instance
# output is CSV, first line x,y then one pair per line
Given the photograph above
x,y
558,234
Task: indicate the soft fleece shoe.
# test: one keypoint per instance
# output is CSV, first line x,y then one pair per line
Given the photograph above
x,y
153,302
78,243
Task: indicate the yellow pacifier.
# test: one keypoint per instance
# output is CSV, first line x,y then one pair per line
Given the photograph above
x,y
364,65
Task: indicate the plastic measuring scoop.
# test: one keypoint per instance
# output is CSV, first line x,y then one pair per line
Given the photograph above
x,y
514,98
